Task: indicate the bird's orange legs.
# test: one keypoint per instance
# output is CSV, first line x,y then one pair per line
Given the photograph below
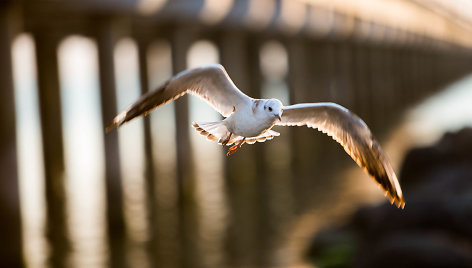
x,y
226,140
235,147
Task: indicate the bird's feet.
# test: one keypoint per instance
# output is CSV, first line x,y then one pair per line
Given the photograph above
x,y
234,148
226,140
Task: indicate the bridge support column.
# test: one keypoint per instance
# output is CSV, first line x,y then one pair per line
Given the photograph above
x,y
51,127
188,221
106,38
10,233
240,169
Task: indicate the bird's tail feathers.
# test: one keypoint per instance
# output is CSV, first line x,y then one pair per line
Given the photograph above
x,y
215,131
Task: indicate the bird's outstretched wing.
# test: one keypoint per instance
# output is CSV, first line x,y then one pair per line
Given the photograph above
x,y
353,134
210,83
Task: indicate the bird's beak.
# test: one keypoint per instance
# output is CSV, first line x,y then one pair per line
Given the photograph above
x,y
279,116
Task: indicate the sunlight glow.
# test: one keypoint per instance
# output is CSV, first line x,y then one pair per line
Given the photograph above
x,y
84,151
449,110
149,7
273,59
260,13
30,157
163,126
131,143
293,15
406,15
274,68
159,63
215,10
209,183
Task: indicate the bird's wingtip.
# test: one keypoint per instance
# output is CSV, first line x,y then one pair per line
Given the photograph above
x,y
397,200
110,127
117,122
400,203
394,198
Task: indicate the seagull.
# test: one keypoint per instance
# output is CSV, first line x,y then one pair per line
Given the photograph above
x,y
248,120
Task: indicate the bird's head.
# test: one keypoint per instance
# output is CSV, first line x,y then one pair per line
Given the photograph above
x,y
274,107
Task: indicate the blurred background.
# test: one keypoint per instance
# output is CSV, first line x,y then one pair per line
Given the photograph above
x,y
157,194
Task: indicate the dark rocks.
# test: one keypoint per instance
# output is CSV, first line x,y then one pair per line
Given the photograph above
x,y
434,229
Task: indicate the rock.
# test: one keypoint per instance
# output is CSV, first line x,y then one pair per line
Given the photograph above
x,y
434,229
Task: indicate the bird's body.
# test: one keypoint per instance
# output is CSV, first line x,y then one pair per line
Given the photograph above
x,y
249,120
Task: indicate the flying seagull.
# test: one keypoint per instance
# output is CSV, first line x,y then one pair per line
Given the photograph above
x,y
248,120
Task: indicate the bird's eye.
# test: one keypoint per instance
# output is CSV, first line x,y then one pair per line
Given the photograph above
x,y
270,109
